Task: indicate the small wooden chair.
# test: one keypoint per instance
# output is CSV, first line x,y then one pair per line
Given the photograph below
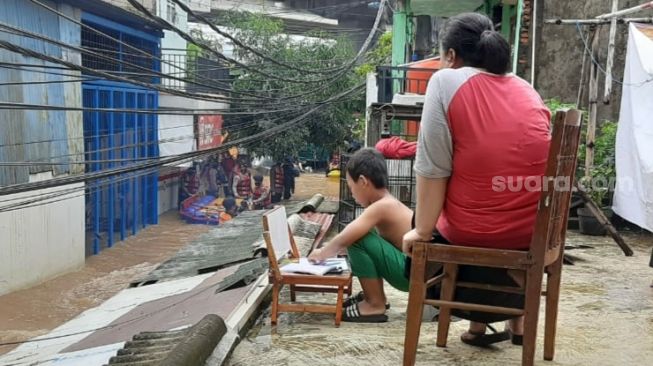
x,y
545,255
280,242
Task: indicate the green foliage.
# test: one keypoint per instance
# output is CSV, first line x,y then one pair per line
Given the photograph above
x,y
329,127
380,55
599,183
603,173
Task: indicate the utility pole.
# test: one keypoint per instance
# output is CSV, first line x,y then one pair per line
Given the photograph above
x,y
400,32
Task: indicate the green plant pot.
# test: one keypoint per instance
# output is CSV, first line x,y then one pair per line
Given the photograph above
x,y
588,224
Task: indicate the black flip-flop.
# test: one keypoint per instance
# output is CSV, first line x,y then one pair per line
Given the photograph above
x,y
484,340
352,314
360,296
517,339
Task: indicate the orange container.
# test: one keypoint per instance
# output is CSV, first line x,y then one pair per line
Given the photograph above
x,y
416,81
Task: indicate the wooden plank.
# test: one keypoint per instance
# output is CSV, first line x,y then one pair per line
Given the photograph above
x,y
475,307
606,223
478,256
335,280
317,288
307,308
483,286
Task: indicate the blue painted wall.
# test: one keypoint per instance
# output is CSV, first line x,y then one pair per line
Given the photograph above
x,y
122,205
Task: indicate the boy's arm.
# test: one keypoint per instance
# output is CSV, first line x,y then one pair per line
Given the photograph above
x,y
350,235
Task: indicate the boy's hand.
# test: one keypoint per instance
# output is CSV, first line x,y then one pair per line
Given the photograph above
x,y
317,256
410,238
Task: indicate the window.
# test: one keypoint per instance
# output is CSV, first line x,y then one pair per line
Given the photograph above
x,y
171,13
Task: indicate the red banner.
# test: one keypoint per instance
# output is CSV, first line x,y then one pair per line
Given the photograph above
x,y
209,131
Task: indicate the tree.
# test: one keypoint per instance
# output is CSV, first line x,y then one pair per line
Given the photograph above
x,y
329,127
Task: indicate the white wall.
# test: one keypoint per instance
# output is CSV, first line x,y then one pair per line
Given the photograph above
x,y
371,96
171,40
41,242
175,127
169,189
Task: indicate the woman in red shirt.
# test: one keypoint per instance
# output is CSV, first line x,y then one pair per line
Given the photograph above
x,y
484,133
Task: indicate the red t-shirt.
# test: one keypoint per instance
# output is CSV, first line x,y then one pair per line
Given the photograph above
x,y
495,135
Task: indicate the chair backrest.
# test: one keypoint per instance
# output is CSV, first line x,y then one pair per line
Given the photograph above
x,y
278,237
557,185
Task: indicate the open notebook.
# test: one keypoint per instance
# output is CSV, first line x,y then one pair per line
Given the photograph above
x,y
336,265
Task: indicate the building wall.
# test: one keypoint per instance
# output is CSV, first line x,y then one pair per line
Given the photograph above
x,y
41,242
560,52
172,45
49,134
174,126
46,239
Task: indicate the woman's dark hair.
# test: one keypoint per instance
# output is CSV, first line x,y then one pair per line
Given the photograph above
x,y
475,41
369,163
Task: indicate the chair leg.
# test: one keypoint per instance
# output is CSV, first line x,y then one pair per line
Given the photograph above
x,y
551,311
447,293
341,295
531,313
416,295
349,287
293,297
275,304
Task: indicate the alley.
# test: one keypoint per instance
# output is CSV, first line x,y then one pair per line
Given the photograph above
x,y
605,319
35,311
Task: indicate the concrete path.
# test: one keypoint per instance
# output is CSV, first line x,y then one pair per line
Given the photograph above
x,y
606,318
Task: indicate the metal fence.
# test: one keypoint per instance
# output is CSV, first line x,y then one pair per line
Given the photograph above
x,y
393,80
193,72
401,184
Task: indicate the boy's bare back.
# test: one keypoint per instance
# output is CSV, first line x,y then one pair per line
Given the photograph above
x,y
394,219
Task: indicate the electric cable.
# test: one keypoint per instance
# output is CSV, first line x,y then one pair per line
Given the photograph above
x,y
44,38
238,43
190,39
180,158
598,64
226,126
97,184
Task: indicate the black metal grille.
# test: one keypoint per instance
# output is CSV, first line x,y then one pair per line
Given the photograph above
x,y
203,74
389,76
401,184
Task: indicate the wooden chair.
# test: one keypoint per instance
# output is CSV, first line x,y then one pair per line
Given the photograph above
x,y
280,243
545,255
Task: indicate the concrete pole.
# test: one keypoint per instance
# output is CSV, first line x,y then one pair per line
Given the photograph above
x,y
593,100
634,9
611,44
400,32
515,47
506,15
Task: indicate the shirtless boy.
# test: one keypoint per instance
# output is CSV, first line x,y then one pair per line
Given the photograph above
x,y
373,240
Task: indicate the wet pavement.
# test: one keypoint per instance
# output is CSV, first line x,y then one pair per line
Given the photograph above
x,y
605,318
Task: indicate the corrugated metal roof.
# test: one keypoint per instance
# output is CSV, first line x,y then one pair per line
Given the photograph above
x,y
228,243
324,219
51,129
232,242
